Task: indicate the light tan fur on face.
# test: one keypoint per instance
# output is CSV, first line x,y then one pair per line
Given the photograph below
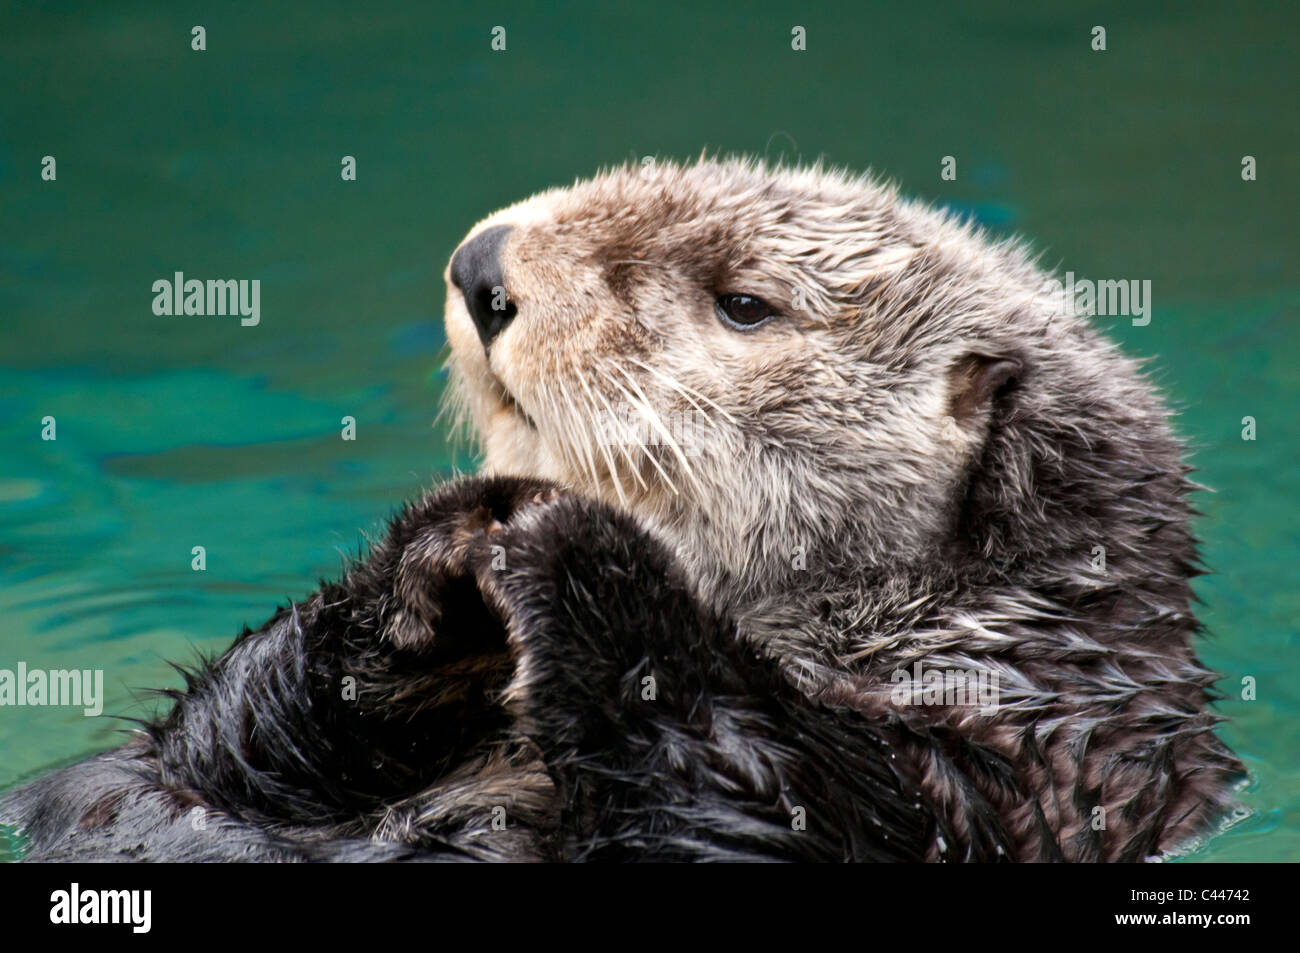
x,y
801,426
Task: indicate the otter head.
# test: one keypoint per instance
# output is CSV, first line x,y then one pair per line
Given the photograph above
x,y
779,371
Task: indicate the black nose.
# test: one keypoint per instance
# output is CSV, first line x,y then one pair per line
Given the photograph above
x,y
476,271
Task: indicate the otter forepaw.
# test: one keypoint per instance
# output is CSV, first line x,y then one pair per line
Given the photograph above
x,y
438,545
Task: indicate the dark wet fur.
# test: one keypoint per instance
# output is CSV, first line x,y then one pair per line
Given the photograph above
x,y
526,682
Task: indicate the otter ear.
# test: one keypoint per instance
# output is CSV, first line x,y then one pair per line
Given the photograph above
x,y
975,380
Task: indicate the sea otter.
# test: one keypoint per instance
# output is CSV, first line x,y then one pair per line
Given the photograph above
x,y
637,639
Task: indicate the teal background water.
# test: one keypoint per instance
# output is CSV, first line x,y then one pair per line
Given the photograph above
x,y
176,432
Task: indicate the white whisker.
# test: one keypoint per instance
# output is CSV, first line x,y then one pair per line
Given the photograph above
x,y
647,413
604,449
684,390
656,420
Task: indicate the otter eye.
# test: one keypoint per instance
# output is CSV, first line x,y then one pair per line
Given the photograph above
x,y
744,311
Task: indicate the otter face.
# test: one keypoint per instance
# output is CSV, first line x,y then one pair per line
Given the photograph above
x,y
774,369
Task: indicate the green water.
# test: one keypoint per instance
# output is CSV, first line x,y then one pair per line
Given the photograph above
x,y
177,432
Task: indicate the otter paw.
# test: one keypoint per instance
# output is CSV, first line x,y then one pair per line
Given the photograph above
x,y
435,549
